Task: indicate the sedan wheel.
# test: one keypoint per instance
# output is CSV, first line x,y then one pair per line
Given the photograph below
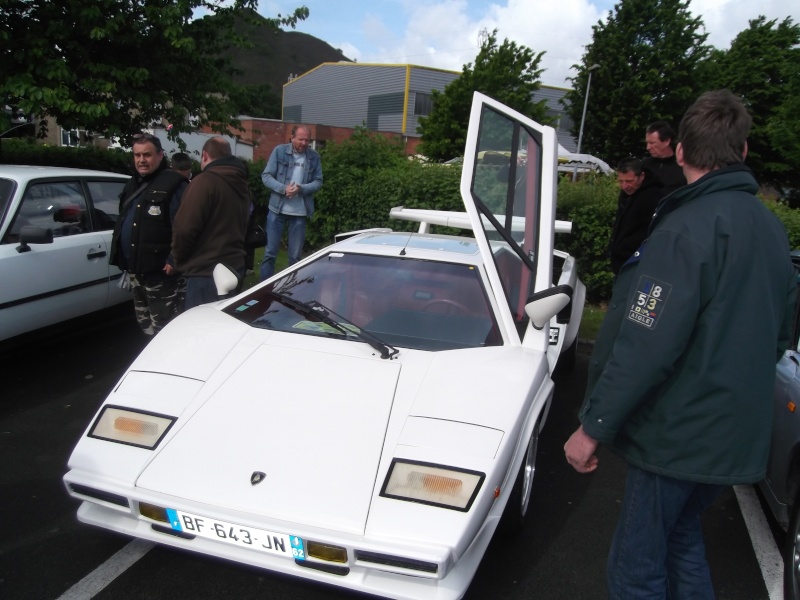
x,y
791,556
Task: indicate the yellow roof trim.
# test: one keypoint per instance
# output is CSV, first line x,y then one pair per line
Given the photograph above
x,y
405,99
406,66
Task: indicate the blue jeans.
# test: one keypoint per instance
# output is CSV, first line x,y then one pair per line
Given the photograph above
x,y
276,223
658,550
202,290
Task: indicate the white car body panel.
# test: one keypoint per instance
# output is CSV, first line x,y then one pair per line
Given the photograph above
x,y
256,386
343,423
62,280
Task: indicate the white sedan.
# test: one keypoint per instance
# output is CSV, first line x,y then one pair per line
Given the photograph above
x,y
55,234
365,417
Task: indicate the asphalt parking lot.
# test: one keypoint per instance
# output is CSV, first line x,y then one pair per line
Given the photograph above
x,y
51,391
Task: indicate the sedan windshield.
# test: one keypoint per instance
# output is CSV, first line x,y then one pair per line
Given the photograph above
x,y
419,304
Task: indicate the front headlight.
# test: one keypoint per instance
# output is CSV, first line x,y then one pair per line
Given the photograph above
x,y
133,427
432,484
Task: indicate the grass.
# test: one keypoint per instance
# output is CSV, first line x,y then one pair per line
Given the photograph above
x,y
590,322
280,264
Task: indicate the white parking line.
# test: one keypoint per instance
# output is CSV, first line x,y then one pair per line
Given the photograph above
x,y
767,553
98,579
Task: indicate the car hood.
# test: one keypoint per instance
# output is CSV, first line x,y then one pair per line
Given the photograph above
x,y
313,422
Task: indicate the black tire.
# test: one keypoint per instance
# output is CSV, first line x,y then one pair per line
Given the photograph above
x,y
513,520
566,362
791,556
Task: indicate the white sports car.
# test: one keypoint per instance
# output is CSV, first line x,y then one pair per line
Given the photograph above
x,y
365,417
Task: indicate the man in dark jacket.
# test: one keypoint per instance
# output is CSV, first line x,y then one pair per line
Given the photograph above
x,y
682,373
140,245
660,140
212,221
639,194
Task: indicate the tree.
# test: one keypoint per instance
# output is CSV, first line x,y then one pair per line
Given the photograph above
x,y
763,66
114,66
648,51
508,73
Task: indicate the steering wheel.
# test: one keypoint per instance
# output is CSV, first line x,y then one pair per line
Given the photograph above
x,y
451,306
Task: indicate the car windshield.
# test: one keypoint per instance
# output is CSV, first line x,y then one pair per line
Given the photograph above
x,y
409,303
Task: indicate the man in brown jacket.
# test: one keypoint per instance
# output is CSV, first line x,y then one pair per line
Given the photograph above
x,y
211,223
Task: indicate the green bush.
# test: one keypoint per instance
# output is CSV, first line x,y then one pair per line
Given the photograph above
x,y
19,151
790,217
590,204
366,176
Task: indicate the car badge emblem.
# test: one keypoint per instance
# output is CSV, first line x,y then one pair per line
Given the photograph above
x,y
257,477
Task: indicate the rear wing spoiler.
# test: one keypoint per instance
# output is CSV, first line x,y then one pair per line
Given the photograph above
x,y
458,220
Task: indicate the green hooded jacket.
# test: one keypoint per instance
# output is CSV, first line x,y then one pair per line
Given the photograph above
x,y
682,374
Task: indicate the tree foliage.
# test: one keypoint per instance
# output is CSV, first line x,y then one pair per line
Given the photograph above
x,y
508,73
648,52
114,66
763,66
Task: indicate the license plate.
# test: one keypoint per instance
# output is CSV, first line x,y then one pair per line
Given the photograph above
x,y
289,546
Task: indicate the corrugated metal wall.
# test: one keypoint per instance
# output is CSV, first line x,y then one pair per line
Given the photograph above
x,y
424,80
339,94
562,124
352,95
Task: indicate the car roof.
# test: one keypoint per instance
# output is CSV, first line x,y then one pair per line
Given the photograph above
x,y
28,172
425,246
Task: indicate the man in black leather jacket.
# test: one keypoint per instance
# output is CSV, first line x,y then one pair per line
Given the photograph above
x,y
143,234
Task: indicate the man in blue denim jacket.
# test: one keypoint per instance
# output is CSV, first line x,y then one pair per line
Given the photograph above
x,y
293,174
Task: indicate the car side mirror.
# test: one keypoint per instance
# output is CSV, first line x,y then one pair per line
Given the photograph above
x,y
33,235
544,305
225,279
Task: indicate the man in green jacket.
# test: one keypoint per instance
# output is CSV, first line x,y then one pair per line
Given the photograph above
x,y
682,374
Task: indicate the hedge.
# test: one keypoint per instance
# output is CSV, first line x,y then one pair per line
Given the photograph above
x,y
366,177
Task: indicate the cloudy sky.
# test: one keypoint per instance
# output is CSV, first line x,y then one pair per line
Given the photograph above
x,y
445,33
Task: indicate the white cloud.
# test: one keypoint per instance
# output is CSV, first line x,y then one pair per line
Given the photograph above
x,y
724,19
444,33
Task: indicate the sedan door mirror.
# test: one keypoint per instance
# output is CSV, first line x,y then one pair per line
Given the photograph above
x,y
33,235
544,305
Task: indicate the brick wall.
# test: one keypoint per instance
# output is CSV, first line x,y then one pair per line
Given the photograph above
x,y
265,134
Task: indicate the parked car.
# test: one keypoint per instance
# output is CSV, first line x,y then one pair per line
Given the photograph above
x,y
55,232
365,417
781,487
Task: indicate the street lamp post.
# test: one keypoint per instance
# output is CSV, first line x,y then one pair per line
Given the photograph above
x,y
583,117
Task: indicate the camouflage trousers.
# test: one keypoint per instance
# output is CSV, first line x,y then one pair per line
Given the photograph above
x,y
156,301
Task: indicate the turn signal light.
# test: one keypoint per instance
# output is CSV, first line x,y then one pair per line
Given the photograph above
x,y
325,552
151,511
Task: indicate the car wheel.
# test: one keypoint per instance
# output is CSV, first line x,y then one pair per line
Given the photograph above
x,y
513,519
791,556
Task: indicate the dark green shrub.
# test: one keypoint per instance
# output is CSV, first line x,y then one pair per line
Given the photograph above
x,y
790,217
590,204
18,151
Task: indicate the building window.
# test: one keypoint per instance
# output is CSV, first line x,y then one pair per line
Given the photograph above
x,y
70,137
423,104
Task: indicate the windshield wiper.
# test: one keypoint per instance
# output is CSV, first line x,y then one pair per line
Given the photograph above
x,y
323,313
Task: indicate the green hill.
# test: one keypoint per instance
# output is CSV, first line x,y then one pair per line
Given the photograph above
x,y
274,56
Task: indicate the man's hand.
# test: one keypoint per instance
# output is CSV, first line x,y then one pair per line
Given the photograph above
x,y
169,269
291,190
580,449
